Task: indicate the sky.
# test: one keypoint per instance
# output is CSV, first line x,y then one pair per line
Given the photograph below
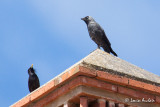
x,y
51,35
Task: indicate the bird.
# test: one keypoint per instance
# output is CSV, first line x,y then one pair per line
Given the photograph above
x,y
33,81
98,35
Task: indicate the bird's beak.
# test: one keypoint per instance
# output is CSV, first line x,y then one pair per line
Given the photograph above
x,y
82,18
32,66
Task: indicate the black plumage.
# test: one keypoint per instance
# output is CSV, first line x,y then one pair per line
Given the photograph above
x,y
33,81
98,35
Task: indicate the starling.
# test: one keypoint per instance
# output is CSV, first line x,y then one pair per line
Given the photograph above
x,y
98,35
33,81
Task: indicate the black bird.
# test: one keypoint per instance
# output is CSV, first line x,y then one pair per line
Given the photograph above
x,y
33,81
98,35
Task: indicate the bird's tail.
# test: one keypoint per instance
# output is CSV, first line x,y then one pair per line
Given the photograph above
x,y
113,52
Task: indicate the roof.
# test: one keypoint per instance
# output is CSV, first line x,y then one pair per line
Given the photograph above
x,y
108,63
103,66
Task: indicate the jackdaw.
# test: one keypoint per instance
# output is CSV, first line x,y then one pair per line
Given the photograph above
x,y
98,35
33,81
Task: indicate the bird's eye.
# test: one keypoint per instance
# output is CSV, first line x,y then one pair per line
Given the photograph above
x,y
87,17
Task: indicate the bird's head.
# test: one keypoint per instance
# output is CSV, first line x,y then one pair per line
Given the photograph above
x,y
31,71
87,19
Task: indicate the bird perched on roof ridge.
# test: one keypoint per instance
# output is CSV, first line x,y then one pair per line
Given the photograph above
x,y
33,81
98,35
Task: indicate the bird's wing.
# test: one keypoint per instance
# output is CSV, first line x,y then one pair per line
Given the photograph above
x,y
37,82
106,39
103,35
33,83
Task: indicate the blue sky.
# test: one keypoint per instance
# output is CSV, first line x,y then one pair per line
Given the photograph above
x,y
50,35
